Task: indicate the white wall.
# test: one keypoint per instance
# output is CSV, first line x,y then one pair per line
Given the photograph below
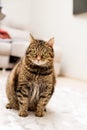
x,y
43,18
17,13
55,18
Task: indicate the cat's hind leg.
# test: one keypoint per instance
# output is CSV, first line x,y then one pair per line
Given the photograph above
x,y
11,90
12,106
8,106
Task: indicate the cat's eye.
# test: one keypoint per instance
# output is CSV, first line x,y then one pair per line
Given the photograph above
x,y
33,53
44,54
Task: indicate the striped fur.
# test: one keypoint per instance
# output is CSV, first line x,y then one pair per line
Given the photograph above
x,y
30,86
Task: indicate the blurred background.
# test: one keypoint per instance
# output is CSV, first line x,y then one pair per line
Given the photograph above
x,y
61,19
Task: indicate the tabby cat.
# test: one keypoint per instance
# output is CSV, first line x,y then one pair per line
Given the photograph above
x,y
31,83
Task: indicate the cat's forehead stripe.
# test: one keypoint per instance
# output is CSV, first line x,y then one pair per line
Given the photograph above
x,y
40,44
41,41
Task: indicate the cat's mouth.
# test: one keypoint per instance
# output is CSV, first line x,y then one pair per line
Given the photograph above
x,y
39,62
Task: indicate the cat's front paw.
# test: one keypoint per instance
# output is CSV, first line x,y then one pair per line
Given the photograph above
x,y
39,113
23,113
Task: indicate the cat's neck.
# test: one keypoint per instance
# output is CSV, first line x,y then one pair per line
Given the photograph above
x,y
39,70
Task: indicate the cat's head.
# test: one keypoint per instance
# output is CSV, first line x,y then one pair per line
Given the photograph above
x,y
40,52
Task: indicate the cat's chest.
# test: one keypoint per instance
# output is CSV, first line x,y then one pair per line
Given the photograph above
x,y
36,79
36,88
37,83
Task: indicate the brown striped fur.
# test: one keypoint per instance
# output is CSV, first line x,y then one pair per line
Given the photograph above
x,y
31,83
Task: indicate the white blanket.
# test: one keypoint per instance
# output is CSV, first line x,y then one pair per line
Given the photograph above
x,y
67,110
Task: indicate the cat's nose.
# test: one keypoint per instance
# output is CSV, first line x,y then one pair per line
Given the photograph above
x,y
38,58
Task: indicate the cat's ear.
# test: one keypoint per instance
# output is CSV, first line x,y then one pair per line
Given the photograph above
x,y
31,38
51,42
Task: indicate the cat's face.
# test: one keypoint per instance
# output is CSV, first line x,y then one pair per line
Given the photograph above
x,y
40,52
